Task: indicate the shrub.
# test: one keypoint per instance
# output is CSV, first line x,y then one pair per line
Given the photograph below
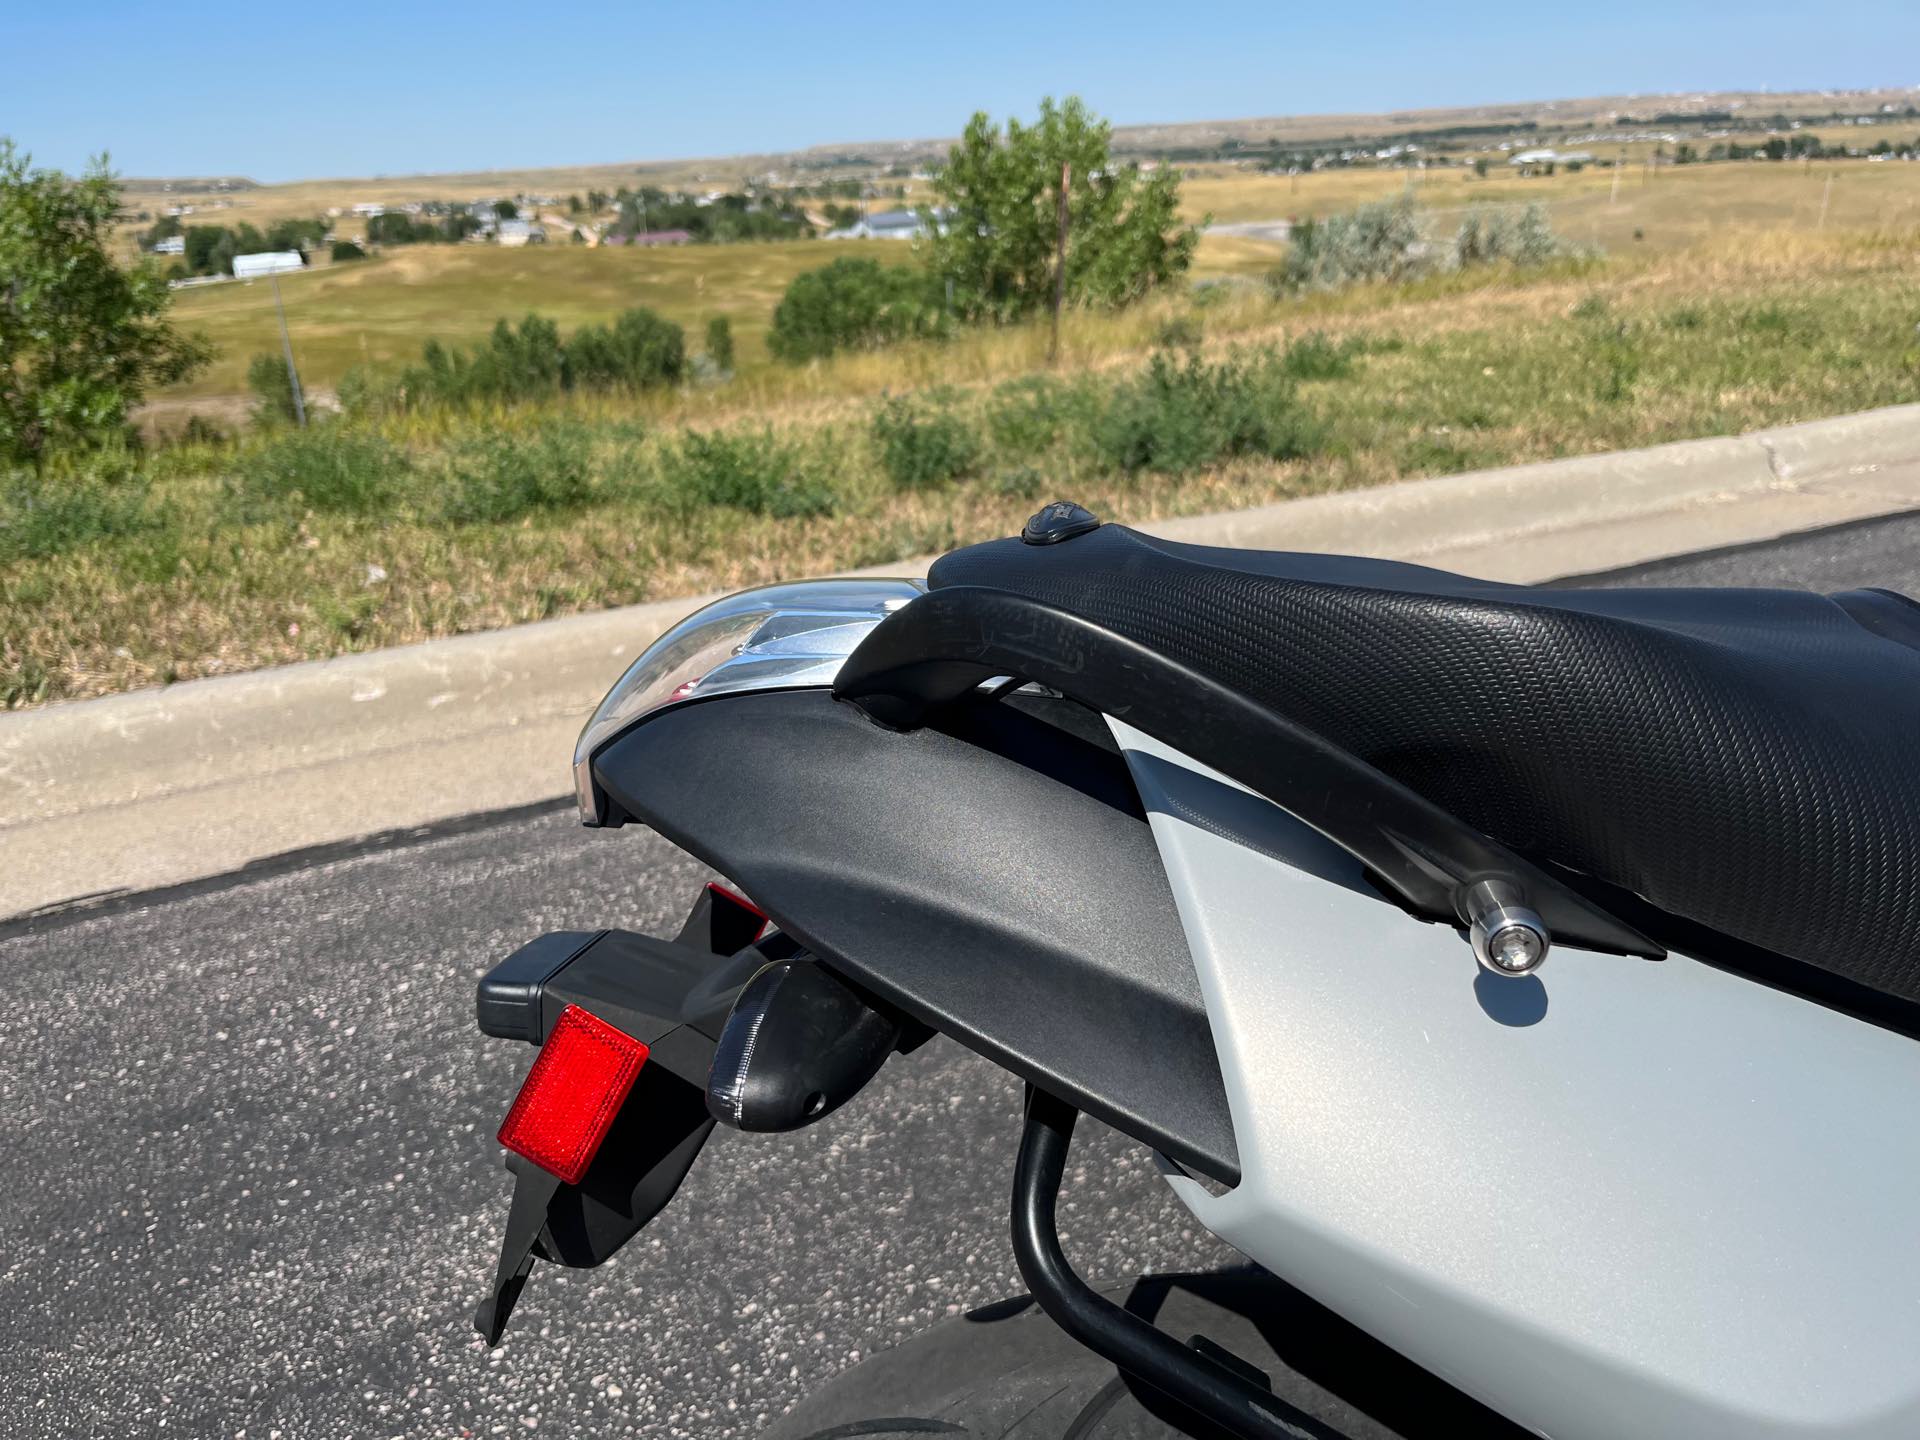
x,y
641,350
1178,332
852,304
1315,357
1028,416
347,250
1181,415
523,363
720,344
1023,482
505,475
64,506
272,390
1612,348
364,390
515,364
1381,241
923,445
1517,237
750,470
199,430
328,467
529,362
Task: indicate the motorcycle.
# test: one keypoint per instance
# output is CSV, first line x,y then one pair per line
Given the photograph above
x,y
1523,980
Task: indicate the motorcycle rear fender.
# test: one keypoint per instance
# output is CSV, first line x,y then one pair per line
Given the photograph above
x,y
993,876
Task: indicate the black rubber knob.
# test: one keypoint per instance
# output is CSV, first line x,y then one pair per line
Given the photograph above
x,y
1059,521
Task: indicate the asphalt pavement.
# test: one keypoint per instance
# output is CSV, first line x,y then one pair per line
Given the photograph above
x,y
252,1191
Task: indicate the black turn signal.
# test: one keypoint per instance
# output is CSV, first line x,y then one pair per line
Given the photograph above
x,y
799,1043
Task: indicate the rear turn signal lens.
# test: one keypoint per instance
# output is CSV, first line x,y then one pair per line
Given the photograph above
x,y
576,1087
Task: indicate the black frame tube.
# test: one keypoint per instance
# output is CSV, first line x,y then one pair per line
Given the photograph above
x,y
1184,1375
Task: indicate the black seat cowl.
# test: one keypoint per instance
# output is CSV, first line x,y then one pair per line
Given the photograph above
x,y
1744,759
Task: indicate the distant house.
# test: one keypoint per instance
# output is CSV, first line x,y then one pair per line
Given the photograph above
x,y
883,225
520,232
651,238
368,210
1541,162
172,245
267,262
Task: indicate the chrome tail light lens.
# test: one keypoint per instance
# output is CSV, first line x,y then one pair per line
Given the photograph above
x,y
779,637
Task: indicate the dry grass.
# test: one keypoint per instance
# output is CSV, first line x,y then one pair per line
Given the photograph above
x,y
1743,329
379,311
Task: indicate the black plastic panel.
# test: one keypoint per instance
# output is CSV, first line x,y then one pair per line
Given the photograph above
x,y
993,876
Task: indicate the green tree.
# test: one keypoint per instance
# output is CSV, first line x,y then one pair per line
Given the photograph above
x,y
201,243
81,340
505,210
995,224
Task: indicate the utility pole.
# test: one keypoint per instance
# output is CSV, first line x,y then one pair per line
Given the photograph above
x,y
1618,161
286,347
1060,265
1825,196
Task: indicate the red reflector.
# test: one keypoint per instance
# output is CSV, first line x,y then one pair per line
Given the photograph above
x,y
576,1087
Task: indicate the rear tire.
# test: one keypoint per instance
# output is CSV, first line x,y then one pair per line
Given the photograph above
x,y
1006,1372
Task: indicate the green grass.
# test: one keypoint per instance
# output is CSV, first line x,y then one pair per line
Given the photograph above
x,y
285,546
381,310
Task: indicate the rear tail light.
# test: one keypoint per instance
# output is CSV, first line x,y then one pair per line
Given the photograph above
x,y
576,1087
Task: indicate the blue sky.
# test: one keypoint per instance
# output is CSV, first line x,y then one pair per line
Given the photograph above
x,y
287,90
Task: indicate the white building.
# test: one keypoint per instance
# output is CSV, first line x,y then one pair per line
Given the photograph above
x,y
268,262
172,245
520,232
884,225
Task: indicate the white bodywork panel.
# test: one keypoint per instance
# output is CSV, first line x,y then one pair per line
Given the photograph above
x,y
1621,1198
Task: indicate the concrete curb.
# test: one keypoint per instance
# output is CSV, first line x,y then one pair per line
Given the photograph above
x,y
162,786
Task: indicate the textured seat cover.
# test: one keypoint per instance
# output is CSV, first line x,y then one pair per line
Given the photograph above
x,y
1745,759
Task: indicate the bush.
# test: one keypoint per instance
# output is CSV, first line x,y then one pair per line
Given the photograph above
x,y
852,304
924,445
1613,350
272,390
1181,415
347,250
328,467
1028,416
1315,357
1518,237
59,508
641,350
720,344
750,470
529,362
505,475
1179,332
1381,241
365,390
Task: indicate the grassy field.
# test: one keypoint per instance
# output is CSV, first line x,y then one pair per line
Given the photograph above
x,y
381,310
284,547
1662,209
